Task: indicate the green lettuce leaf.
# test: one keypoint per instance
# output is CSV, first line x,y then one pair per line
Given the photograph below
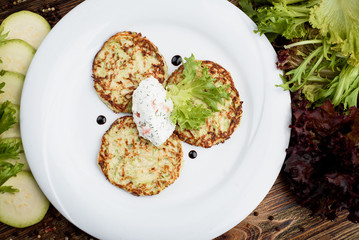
x,y
248,8
190,116
288,18
8,170
7,116
343,89
338,20
195,98
323,75
10,148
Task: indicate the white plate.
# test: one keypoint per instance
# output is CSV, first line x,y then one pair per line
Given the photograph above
x,y
61,138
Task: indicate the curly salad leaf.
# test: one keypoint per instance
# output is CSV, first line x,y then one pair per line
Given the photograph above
x,y
195,98
322,161
321,74
8,170
339,22
321,69
286,18
9,148
7,116
323,59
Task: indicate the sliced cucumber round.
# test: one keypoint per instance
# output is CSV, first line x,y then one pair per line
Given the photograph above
x,y
26,207
13,86
14,131
26,25
16,55
22,158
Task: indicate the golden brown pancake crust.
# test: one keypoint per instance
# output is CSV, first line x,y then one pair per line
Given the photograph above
x,y
122,63
220,125
134,163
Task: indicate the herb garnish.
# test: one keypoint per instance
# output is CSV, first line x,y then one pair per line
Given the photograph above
x,y
9,148
195,98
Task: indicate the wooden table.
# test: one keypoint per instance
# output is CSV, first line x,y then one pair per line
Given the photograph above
x,y
277,217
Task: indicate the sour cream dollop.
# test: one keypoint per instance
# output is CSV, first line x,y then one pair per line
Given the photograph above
x,y
151,111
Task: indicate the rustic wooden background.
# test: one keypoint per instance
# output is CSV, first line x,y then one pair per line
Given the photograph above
x,y
277,217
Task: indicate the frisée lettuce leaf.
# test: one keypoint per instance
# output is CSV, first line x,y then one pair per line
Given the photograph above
x,y
8,170
9,148
7,116
195,98
322,59
286,18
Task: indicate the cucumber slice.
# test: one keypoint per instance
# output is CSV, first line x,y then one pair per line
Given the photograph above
x,y
26,25
22,157
26,207
13,86
15,130
16,55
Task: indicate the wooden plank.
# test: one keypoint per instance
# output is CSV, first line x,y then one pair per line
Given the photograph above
x,y
280,217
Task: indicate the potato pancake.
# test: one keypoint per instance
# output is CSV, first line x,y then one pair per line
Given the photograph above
x,y
134,163
220,125
122,63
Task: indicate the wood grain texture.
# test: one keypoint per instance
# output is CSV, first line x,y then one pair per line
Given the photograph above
x,y
277,217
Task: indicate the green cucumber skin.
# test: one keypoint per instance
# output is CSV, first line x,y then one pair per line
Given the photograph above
x,y
15,90
12,74
18,41
9,23
31,203
16,55
17,14
21,214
